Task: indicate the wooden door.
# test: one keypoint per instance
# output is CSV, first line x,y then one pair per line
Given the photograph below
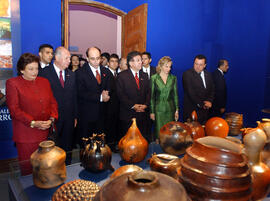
x,y
134,30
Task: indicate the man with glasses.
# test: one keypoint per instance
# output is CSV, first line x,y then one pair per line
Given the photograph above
x,y
198,90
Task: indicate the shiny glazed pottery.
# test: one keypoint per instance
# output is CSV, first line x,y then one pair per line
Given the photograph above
x,y
265,126
133,147
216,126
175,137
49,169
214,168
96,156
142,186
197,130
254,142
165,163
76,190
125,169
235,122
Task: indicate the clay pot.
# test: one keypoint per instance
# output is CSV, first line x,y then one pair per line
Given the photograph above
x,y
216,126
197,130
214,168
235,122
125,169
165,163
76,190
49,169
175,137
143,186
96,156
265,126
254,142
133,147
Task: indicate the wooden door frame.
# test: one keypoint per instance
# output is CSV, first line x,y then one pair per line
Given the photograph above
x,y
103,6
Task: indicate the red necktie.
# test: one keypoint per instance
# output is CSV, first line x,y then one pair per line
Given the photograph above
x,y
137,80
98,77
61,79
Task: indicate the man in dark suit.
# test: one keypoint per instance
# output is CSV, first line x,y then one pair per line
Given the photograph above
x,y
63,85
112,106
146,61
45,53
219,103
134,95
198,90
93,92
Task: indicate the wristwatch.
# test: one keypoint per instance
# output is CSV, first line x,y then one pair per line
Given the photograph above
x,y
32,124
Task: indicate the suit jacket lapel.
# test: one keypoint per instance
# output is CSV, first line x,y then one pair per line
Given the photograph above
x,y
55,76
67,79
133,81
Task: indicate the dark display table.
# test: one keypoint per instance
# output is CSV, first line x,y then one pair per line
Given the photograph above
x,y
23,189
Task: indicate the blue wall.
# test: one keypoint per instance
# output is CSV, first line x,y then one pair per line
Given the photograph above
x,y
40,23
237,30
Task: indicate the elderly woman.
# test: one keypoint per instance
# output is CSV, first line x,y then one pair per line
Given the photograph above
x,y
164,96
32,107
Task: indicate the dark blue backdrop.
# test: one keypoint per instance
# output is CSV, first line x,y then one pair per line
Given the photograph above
x,y
237,30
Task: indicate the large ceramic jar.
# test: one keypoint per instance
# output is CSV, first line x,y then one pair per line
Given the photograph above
x,y
197,130
254,142
175,137
165,163
49,169
96,155
214,168
142,186
133,147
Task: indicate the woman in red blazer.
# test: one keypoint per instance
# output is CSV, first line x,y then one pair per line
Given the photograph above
x,y
32,107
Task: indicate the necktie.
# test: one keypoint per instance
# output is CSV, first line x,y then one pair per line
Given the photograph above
x,y
137,80
61,79
98,77
114,74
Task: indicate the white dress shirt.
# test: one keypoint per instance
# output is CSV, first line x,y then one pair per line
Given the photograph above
x,y
134,73
95,74
43,65
203,78
58,72
147,70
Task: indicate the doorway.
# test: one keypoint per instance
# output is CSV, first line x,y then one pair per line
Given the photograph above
x,y
131,27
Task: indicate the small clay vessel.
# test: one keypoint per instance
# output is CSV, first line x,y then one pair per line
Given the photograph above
x,y
235,122
165,163
125,169
133,147
216,126
142,186
175,137
254,142
49,169
96,155
197,130
76,190
214,168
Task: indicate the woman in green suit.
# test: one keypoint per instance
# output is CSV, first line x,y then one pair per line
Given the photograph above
x,y
164,96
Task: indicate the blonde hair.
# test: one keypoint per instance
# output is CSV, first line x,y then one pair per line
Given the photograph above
x,y
164,60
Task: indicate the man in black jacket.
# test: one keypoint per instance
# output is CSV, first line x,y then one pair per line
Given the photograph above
x,y
93,92
219,104
198,90
63,85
